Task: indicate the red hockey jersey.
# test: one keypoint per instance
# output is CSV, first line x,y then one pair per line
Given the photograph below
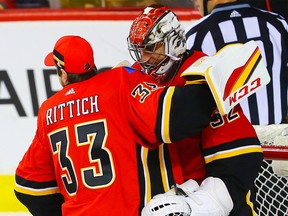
x,y
225,149
86,143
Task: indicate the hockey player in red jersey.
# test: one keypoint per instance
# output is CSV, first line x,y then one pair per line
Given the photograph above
x,y
226,156
84,157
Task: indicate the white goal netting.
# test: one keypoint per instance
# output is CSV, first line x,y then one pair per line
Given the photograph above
x,y
271,185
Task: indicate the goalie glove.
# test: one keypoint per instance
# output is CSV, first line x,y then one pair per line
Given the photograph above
x,y
169,203
210,199
202,66
233,73
187,187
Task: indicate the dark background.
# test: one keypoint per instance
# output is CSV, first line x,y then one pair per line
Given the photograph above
x,y
278,6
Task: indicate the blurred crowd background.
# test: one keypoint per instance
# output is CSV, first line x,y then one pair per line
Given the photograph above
x,y
91,3
278,6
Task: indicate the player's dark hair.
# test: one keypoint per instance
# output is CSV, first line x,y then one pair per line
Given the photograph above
x,y
72,78
81,77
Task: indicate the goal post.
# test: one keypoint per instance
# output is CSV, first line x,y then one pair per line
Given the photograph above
x,y
275,152
271,184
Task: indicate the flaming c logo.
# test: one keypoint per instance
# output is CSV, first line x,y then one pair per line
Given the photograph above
x,y
241,75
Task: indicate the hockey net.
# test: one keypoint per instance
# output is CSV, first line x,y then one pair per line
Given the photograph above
x,y
271,185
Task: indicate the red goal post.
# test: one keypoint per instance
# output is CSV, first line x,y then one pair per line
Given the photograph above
x,y
271,184
274,140
275,152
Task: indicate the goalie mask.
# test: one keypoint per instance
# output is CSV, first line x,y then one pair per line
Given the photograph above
x,y
156,40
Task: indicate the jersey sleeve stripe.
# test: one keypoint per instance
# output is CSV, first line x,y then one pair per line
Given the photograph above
x,y
144,156
36,192
165,132
34,188
233,153
163,168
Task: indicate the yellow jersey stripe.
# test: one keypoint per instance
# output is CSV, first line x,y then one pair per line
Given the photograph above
x,y
166,115
163,168
36,192
232,153
144,155
248,201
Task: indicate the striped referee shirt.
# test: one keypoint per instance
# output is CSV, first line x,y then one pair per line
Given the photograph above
x,y
239,22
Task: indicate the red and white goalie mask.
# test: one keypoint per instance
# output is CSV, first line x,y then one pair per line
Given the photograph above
x,y
156,40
